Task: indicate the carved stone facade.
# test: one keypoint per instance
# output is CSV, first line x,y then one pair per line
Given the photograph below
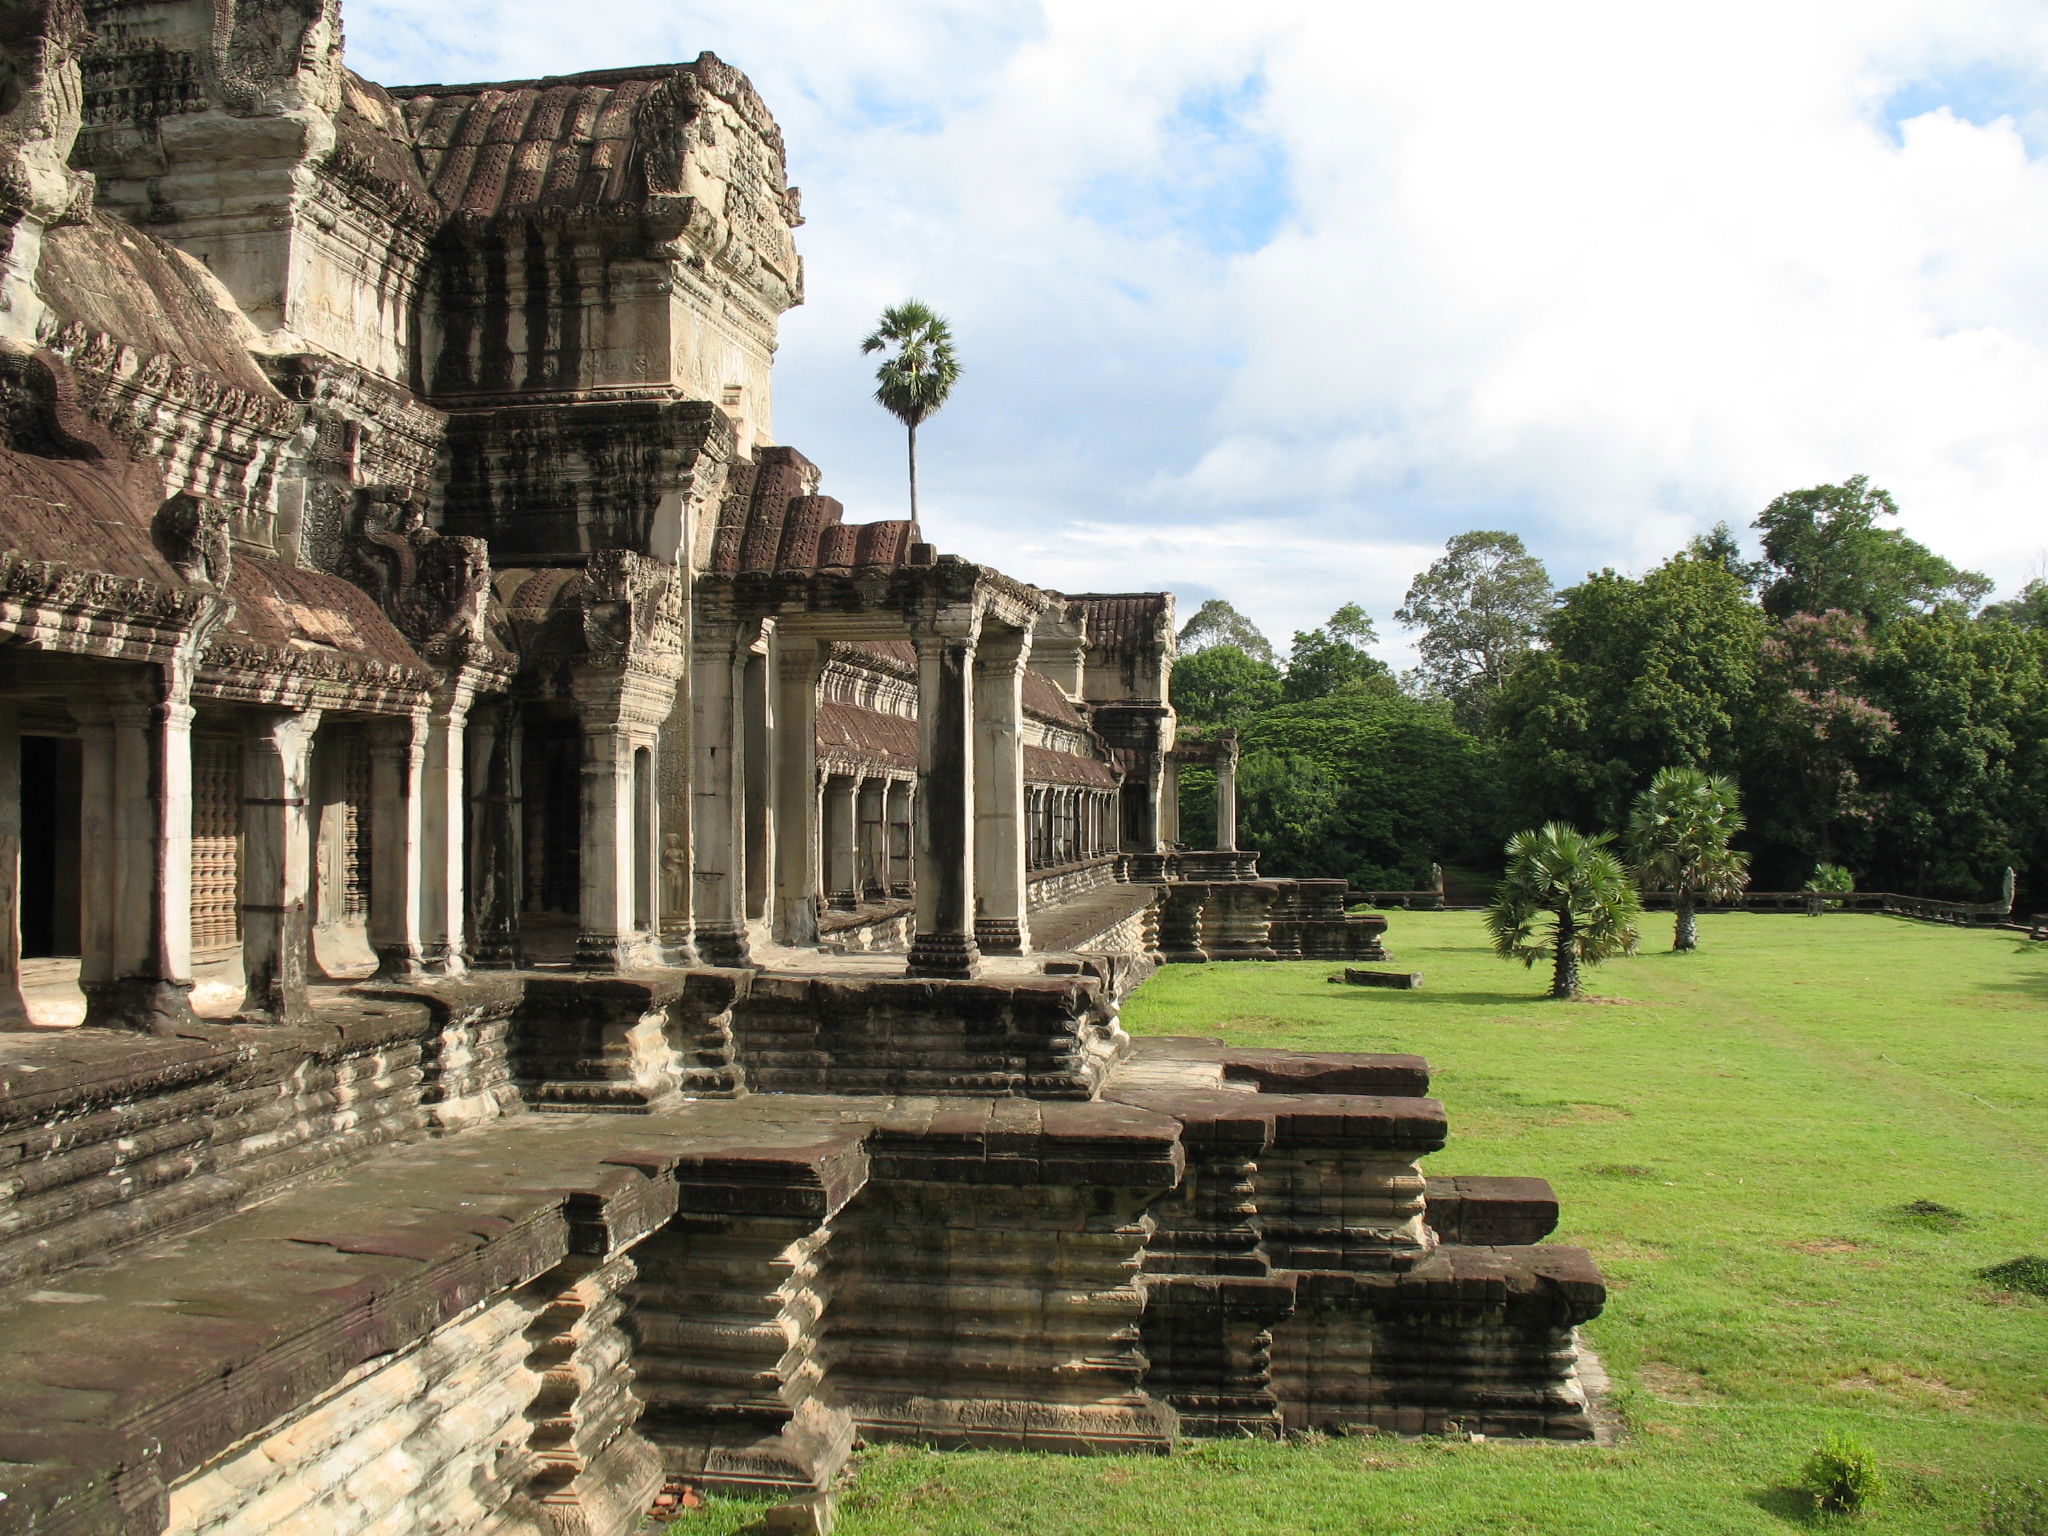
x,y
433,706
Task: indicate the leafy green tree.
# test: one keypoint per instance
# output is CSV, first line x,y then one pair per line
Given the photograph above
x,y
1720,546
1221,685
1640,673
1566,899
1678,835
1334,659
917,374
1824,549
1217,623
2028,610
1958,790
1816,733
1368,785
1480,607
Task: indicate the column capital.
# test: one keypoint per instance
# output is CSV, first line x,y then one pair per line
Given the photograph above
x,y
1002,647
956,625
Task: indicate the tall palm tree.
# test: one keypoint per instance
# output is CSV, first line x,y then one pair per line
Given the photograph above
x,y
1565,898
917,375
1678,832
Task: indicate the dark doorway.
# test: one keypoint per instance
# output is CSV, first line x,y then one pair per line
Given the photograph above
x,y
50,769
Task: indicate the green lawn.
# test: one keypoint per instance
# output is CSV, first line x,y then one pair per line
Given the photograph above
x,y
1735,1136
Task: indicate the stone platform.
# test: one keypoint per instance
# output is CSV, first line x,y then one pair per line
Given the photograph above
x,y
248,1289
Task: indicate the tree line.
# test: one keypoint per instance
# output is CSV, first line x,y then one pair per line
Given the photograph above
x,y
1875,712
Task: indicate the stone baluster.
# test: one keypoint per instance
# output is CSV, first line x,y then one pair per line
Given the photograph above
x,y
798,664
277,867
1001,924
944,943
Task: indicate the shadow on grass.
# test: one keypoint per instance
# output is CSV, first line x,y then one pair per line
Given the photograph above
x,y
1427,994
1794,1506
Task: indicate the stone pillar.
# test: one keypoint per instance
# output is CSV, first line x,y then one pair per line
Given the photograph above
x,y
839,821
1226,792
136,796
757,757
444,906
673,825
798,664
1001,924
277,859
398,754
899,810
497,883
720,767
13,1010
1165,805
871,864
944,944
613,909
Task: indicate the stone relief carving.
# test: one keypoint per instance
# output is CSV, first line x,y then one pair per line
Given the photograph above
x,y
192,533
435,587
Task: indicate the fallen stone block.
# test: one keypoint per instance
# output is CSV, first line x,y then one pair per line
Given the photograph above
x,y
1400,981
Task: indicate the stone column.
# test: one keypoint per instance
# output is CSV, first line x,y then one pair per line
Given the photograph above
x,y
136,796
608,935
1001,922
902,836
944,944
1226,792
798,663
398,754
13,1010
1165,805
673,825
871,865
757,759
277,872
497,883
719,769
839,820
444,906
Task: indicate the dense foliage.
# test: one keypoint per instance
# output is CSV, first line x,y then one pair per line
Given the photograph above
x,y
1846,679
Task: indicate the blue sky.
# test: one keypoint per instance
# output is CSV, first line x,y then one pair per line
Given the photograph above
x,y
1269,302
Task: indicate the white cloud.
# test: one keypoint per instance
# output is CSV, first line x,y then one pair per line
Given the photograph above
x,y
1270,301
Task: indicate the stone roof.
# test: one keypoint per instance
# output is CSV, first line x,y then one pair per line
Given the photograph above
x,y
564,144
77,512
848,730
1044,766
1122,622
772,520
1042,697
288,609
112,279
891,655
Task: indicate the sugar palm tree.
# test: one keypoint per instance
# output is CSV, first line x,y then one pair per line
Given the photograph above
x,y
1678,832
1565,898
918,372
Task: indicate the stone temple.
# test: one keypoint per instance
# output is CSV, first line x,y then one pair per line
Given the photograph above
x,y
538,957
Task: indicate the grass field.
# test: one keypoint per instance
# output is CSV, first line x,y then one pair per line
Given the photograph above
x,y
1736,1134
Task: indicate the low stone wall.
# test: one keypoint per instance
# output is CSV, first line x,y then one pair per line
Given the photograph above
x,y
1050,887
1264,920
1045,1036
109,1137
